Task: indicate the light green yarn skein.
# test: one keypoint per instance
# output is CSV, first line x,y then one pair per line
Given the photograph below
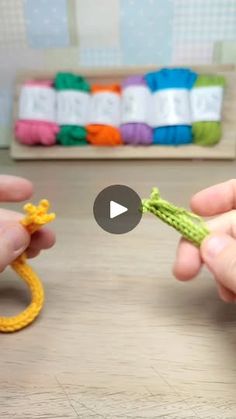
x,y
208,133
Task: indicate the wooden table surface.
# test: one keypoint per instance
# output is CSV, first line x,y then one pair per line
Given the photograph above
x,y
118,336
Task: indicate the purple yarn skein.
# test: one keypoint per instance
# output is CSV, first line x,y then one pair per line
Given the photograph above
x,y
136,133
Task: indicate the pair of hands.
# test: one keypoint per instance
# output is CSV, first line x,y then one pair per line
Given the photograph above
x,y
218,251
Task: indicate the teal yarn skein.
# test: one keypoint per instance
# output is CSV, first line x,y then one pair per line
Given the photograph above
x,y
179,78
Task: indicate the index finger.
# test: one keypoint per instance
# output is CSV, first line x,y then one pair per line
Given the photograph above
x,y
216,199
14,189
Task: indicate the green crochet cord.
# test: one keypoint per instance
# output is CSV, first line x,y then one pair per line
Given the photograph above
x,y
189,225
208,133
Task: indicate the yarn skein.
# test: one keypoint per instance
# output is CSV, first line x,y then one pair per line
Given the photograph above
x,y
179,78
33,132
71,135
208,133
101,134
139,132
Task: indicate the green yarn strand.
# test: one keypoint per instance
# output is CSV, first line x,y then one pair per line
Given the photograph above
x,y
69,81
71,135
189,225
207,133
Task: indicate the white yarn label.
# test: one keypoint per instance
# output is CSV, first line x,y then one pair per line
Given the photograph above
x,y
135,105
72,107
206,103
37,103
170,107
105,109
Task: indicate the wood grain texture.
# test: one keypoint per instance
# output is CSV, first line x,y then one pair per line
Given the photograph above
x,y
118,337
225,150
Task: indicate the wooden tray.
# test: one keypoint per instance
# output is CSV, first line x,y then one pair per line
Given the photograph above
x,y
226,149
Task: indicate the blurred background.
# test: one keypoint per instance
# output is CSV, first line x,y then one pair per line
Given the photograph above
x,y
42,34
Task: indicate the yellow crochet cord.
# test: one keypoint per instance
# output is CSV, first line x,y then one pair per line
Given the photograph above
x,y
35,218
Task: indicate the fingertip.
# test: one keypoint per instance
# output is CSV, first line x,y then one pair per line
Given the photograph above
x,y
51,239
219,254
15,189
180,273
188,261
196,203
215,199
184,272
213,245
225,295
25,190
43,239
32,253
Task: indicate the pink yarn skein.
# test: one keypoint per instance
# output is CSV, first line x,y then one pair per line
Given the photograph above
x,y
32,132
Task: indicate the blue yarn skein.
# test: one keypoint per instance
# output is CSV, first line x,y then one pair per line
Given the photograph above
x,y
179,78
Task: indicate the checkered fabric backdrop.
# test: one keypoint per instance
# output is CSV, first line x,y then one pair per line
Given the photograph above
x,y
12,23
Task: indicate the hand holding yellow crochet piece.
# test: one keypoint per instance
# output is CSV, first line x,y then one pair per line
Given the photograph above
x,y
36,217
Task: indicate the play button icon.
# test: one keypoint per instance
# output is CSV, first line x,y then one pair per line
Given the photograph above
x,y
117,209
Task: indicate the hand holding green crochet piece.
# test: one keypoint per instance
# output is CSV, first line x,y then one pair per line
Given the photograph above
x,y
211,243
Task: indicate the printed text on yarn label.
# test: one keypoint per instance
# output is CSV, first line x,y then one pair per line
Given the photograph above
x,y
37,103
105,109
206,103
171,107
136,104
72,107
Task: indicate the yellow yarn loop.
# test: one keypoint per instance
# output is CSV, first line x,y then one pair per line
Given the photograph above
x,y
35,218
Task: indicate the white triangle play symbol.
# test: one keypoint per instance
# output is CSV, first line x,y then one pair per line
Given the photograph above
x,y
116,209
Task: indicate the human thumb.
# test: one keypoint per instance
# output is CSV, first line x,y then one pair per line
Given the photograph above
x,y
218,251
14,239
